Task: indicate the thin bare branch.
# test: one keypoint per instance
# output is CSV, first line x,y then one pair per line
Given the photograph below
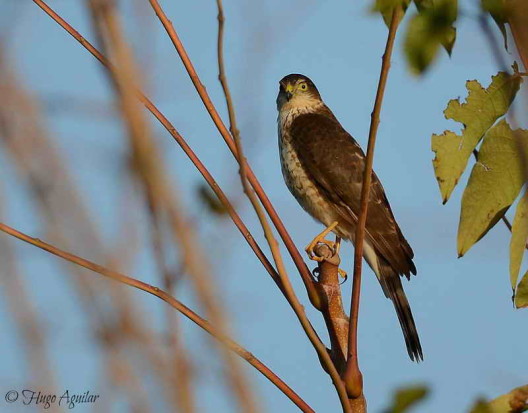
x,y
151,174
67,221
325,359
299,262
169,299
222,77
353,377
178,138
517,19
229,140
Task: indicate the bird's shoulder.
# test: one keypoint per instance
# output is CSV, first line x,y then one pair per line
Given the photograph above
x,y
321,124
321,142
334,160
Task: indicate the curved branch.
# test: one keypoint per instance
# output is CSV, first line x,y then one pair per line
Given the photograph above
x,y
173,302
234,145
325,359
178,138
303,269
229,140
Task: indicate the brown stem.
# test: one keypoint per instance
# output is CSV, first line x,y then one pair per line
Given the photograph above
x,y
517,19
227,93
229,140
236,148
177,137
151,175
173,302
312,292
352,376
334,315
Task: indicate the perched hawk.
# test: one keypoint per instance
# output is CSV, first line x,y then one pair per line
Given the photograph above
x,y
323,169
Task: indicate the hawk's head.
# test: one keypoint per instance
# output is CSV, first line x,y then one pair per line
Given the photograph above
x,y
297,91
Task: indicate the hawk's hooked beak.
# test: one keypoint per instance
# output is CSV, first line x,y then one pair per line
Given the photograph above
x,y
285,94
288,89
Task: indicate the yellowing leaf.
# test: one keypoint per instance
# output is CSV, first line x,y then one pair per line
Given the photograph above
x,y
480,406
448,40
521,294
515,401
407,397
518,239
480,111
496,180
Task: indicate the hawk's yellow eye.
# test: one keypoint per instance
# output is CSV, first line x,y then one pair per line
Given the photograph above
x,y
303,86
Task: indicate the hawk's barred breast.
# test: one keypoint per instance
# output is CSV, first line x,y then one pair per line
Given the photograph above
x,y
300,184
323,166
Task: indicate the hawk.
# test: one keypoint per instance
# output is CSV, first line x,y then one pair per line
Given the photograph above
x,y
323,168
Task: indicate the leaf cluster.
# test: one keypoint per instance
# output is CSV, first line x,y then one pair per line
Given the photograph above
x,y
429,29
498,173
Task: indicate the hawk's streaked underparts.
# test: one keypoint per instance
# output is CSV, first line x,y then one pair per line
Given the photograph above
x,y
323,169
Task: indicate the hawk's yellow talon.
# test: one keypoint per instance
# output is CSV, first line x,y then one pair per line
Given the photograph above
x,y
320,238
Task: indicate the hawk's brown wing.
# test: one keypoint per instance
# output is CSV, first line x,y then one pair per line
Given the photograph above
x,y
336,162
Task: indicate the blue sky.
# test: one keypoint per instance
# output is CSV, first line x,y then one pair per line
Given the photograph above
x,y
470,333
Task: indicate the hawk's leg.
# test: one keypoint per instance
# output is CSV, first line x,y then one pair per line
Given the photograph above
x,y
320,238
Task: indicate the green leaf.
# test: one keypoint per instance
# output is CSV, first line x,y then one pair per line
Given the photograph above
x,y
495,181
428,30
448,41
518,239
521,294
422,5
407,397
499,12
385,8
515,401
480,111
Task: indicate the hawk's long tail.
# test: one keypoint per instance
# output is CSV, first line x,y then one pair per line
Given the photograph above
x,y
393,288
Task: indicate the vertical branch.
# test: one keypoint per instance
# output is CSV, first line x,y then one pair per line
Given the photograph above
x,y
27,320
227,93
517,19
332,309
353,377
